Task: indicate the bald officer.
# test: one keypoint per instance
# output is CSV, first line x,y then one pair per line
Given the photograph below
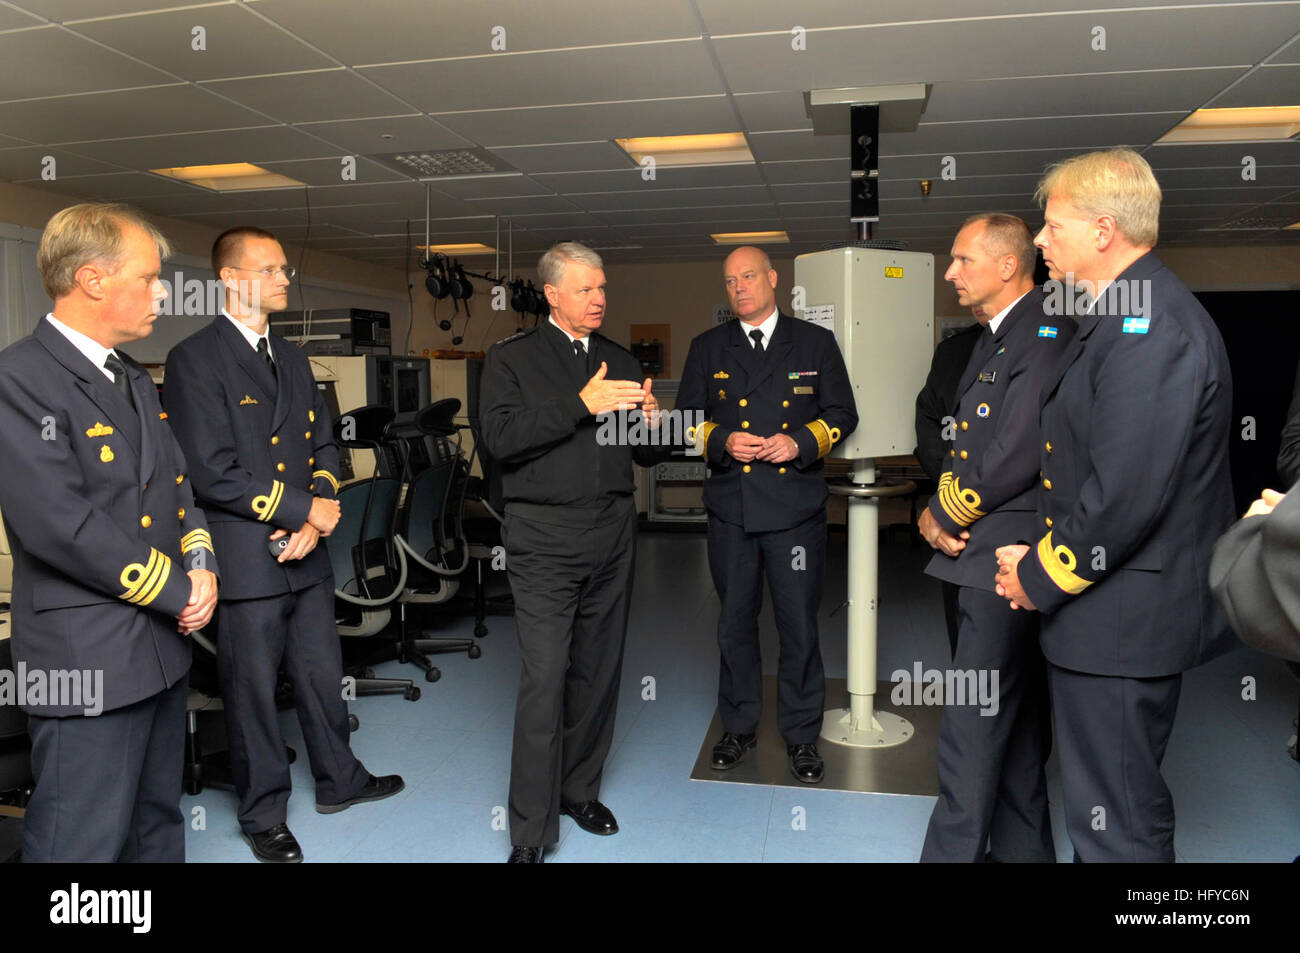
x,y
1135,492
992,785
113,565
775,397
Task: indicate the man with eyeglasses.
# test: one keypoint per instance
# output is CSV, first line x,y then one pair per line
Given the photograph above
x,y
259,443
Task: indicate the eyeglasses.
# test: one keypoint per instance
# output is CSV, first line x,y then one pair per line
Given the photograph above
x,y
288,270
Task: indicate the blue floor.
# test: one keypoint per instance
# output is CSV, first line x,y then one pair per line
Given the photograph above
x,y
1236,790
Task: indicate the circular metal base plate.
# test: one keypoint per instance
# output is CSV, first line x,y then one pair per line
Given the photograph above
x,y
837,728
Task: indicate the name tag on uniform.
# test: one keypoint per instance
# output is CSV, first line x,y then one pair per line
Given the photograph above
x,y
803,390
988,377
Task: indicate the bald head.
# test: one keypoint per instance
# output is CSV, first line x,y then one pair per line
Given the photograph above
x,y
750,280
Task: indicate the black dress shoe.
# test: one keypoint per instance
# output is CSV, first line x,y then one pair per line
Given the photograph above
x,y
275,846
592,816
525,855
376,789
805,763
730,751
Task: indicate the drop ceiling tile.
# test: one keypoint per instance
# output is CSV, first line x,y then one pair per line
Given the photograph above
x,y
1229,154
797,144
237,42
398,30
672,198
565,157
1097,94
592,75
257,145
765,112
168,110
14,19
416,133
807,170
1267,86
330,171
306,97
201,201
29,163
127,186
28,54
665,177
663,117
490,186
1076,133
64,11
978,49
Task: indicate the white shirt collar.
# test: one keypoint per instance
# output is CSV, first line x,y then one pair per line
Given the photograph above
x,y
251,336
993,325
584,339
768,327
93,350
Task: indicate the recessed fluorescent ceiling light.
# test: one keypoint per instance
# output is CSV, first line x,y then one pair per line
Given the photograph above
x,y
231,177
1294,225
723,148
1243,124
746,238
467,248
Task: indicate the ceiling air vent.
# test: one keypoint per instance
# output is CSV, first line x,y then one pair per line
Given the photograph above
x,y
445,163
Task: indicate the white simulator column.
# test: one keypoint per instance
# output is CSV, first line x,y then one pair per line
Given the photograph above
x,y
880,304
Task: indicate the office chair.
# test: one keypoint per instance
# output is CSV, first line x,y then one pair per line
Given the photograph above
x,y
430,536
484,533
370,570
16,779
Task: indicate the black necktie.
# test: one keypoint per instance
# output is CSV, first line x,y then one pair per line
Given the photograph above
x,y
579,351
757,337
265,351
120,380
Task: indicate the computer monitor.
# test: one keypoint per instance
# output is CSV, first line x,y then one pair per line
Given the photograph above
x,y
400,383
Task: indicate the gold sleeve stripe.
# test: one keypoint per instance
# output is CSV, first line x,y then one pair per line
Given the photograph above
x,y
1058,562
326,475
144,582
824,435
265,506
197,539
702,434
961,504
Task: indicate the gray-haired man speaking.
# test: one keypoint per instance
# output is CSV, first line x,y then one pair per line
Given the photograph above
x,y
570,535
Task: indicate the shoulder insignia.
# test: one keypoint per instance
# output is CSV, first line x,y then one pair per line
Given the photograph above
x,y
721,376
99,430
247,400
517,336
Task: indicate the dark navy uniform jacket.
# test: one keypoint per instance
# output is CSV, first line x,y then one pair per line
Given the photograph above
x,y
260,447
990,485
799,387
551,450
1136,487
938,396
101,520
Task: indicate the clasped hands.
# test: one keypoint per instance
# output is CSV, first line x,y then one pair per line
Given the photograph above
x,y
778,448
321,520
601,396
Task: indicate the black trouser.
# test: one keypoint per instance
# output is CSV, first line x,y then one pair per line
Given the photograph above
x,y
992,784
108,788
572,585
255,638
793,560
1111,735
950,590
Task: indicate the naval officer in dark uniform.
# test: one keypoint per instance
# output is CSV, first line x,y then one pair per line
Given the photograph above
x,y
992,785
1135,492
774,396
259,440
113,564
570,538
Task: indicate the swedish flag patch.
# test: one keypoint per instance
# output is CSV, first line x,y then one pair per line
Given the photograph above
x,y
1136,325
1046,331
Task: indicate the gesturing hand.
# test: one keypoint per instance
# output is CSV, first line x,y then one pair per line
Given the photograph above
x,y
601,395
650,406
